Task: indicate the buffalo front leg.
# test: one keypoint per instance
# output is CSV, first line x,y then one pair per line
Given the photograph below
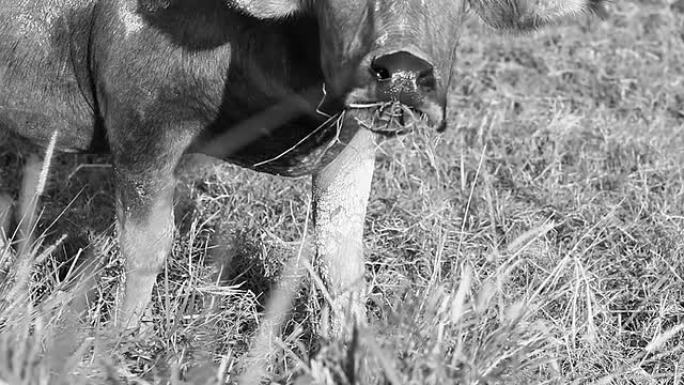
x,y
145,224
145,158
340,196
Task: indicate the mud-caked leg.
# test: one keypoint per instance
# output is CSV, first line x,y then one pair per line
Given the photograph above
x,y
144,166
145,219
341,191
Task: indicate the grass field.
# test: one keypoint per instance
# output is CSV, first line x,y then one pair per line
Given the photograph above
x,y
540,240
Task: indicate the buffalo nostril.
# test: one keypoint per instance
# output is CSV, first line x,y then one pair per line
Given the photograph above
x,y
427,81
404,77
380,72
402,64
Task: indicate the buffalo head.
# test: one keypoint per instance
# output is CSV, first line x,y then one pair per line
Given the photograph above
x,y
402,51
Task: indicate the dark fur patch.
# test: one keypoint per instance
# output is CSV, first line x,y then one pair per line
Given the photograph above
x,y
153,6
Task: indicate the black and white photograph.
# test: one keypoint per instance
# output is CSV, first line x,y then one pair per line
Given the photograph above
x,y
342,192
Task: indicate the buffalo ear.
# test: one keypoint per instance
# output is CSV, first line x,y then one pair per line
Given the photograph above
x,y
268,9
525,15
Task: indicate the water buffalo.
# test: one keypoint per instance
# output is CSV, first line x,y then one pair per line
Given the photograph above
x,y
279,86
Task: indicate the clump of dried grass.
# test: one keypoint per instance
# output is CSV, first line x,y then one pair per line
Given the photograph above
x,y
38,332
388,118
45,332
332,122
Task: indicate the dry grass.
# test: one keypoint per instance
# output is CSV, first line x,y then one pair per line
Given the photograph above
x,y
539,240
